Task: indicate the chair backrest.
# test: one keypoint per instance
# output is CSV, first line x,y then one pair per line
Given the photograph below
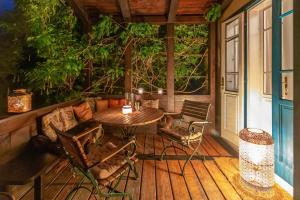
x,y
196,109
73,149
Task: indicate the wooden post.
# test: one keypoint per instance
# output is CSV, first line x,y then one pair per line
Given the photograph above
x,y
212,73
128,70
170,68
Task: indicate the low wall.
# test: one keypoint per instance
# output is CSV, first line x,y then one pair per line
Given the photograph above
x,y
16,130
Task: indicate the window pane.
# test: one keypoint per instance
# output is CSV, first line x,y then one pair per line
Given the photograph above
x,y
267,18
287,42
268,83
287,86
230,56
236,54
232,82
232,28
268,50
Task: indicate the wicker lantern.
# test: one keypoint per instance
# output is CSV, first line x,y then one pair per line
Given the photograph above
x,y
256,153
19,101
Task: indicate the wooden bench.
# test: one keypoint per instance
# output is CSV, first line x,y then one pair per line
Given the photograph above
x,y
28,166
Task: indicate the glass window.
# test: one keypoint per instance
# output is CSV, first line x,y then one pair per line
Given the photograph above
x,y
232,56
267,50
287,54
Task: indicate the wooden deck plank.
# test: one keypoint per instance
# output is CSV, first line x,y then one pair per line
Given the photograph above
x,y
194,186
134,186
179,187
218,147
211,189
209,148
47,179
230,168
224,185
163,182
148,189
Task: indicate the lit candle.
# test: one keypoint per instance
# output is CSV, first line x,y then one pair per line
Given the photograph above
x,y
126,110
160,91
141,90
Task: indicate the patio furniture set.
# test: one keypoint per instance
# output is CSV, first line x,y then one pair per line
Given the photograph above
x,y
104,158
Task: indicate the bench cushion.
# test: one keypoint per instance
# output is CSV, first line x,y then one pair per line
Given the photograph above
x,y
55,119
83,112
101,105
68,117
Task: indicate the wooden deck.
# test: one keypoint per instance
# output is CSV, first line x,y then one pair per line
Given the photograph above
x,y
209,179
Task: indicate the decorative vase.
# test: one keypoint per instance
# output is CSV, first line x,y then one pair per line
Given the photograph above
x,y
19,101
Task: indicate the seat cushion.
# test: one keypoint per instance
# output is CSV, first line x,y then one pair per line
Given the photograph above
x,y
180,133
54,118
101,105
68,117
83,112
108,167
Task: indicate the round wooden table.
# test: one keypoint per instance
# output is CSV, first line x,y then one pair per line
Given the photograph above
x,y
129,122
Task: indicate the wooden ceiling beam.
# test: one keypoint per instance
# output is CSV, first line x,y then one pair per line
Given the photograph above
x,y
182,19
124,5
173,11
81,14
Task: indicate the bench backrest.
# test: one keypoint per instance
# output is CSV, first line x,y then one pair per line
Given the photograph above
x,y
196,109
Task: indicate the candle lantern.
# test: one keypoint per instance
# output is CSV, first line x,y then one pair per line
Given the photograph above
x,y
256,158
126,110
19,101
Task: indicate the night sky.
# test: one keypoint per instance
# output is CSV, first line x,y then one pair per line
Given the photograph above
x,y
6,5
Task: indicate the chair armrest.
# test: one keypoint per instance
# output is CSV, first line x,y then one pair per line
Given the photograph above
x,y
196,123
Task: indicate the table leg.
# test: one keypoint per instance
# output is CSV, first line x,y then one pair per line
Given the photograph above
x,y
38,188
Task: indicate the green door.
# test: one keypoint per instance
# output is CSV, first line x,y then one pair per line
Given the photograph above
x,y
282,92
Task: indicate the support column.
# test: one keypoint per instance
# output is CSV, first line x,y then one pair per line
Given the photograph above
x,y
128,69
212,72
170,68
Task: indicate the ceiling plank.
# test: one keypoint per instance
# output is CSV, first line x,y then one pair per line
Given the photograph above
x,y
124,5
182,19
173,10
81,13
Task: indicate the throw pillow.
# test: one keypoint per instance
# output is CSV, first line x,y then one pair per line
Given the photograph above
x,y
92,103
68,117
101,105
113,103
83,112
122,102
54,118
151,103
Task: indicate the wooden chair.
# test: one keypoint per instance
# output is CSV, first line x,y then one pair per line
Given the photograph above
x,y
186,128
101,163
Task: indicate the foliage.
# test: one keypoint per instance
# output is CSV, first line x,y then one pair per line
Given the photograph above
x,y
190,56
63,51
213,13
149,59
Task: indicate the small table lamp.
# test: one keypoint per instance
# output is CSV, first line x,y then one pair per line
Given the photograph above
x,y
256,157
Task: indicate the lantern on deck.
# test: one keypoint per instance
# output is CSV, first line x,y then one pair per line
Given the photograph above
x,y
256,157
19,101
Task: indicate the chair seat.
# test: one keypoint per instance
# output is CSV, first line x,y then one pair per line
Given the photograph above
x,y
181,133
108,167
